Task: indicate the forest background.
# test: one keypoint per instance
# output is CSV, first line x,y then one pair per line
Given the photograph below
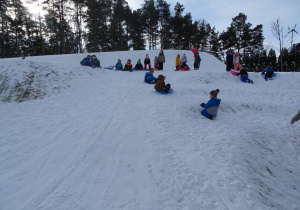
x,y
78,26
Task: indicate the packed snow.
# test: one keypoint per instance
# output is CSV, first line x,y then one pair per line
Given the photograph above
x,y
76,137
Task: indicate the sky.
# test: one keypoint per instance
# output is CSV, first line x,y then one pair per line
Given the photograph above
x,y
219,13
89,138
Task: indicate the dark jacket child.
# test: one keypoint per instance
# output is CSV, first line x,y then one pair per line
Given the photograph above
x,y
244,76
147,62
160,84
119,65
229,60
149,78
138,65
268,72
212,106
161,60
197,59
128,66
87,61
95,61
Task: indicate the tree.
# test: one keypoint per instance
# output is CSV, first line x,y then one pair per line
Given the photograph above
x,y
151,17
137,41
277,31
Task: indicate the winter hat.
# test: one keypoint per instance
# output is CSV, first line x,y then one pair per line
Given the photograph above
x,y
194,50
183,55
129,60
215,92
151,70
88,56
147,56
155,58
139,60
119,60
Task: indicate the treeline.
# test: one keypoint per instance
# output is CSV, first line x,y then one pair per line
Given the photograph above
x,y
76,26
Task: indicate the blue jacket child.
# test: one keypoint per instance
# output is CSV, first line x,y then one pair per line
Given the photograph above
x,y
87,61
119,65
149,78
212,106
268,72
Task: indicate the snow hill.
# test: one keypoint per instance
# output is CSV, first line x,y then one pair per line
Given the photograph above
x,y
74,137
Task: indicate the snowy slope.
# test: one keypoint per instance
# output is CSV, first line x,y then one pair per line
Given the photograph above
x,y
85,138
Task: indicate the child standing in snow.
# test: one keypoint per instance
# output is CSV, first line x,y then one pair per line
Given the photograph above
x,y
229,60
119,65
236,61
295,118
161,60
149,78
156,67
244,76
177,60
197,59
147,62
160,84
211,107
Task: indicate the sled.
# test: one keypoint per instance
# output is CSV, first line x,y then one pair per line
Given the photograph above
x,y
163,92
109,68
233,72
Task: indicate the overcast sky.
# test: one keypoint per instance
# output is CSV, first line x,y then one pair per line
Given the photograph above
x,y
219,13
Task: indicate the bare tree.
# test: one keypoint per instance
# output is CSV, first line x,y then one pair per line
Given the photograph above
x,y
277,31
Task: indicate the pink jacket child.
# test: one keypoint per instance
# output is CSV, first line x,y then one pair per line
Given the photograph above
x,y
236,61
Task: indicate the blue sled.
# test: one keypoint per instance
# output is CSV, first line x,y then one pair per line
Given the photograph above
x,y
163,92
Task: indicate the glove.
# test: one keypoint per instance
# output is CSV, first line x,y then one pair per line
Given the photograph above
x,y
292,121
202,105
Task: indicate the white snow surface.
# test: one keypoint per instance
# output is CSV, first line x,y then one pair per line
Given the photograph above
x,y
74,137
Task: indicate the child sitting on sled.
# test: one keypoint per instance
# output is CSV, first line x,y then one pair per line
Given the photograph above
x,y
149,78
138,65
119,65
212,106
160,84
182,66
244,76
128,65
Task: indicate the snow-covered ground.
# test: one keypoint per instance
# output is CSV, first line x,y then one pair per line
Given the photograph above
x,y
74,137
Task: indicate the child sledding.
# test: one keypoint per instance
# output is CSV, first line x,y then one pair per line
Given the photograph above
x,y
244,76
212,106
149,78
268,73
160,85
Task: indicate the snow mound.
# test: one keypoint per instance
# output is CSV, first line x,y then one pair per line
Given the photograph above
x,y
28,80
